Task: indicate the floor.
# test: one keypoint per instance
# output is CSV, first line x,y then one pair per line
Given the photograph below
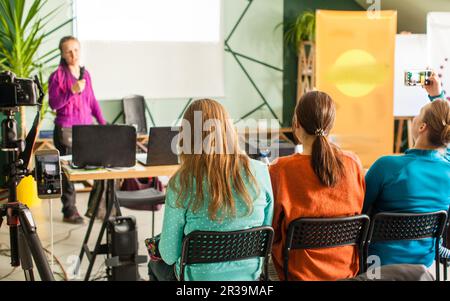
x,y
68,240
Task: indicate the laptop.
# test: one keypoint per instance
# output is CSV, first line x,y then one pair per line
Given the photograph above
x,y
104,146
159,150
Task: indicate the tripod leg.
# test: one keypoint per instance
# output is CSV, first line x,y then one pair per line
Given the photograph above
x,y
34,244
97,201
25,257
110,203
13,240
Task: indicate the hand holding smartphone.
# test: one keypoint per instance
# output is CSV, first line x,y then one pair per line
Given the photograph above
x,y
418,77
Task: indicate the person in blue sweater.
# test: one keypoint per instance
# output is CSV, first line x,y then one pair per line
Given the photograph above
x,y
217,188
435,91
416,182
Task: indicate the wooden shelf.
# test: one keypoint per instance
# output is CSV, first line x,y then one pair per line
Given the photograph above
x,y
306,77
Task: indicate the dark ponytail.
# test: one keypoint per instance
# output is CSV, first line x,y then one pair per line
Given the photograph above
x,y
326,162
315,113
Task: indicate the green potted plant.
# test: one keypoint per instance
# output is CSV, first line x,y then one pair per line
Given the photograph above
x,y
301,30
301,35
23,29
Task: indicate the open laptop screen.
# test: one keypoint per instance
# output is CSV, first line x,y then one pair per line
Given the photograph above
x,y
160,146
104,146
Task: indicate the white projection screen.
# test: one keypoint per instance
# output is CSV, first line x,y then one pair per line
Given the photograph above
x,y
155,48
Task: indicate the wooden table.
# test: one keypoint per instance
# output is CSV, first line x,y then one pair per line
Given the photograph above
x,y
139,171
43,143
141,142
109,176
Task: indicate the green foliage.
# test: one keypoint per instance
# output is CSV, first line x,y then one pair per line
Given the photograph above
x,y
302,29
22,32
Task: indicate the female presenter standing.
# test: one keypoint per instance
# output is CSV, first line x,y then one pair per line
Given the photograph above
x,y
72,97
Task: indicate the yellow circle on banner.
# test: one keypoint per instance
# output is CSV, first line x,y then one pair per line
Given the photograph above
x,y
27,192
356,73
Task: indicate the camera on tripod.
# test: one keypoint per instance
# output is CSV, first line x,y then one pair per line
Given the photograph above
x,y
25,244
16,92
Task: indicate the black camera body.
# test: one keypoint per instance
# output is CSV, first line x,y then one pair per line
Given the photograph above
x,y
17,92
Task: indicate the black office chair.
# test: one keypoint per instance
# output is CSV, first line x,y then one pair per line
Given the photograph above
x,y
134,109
134,112
211,247
407,226
319,233
141,200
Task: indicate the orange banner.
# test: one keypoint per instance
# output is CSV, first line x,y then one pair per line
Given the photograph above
x,y
355,65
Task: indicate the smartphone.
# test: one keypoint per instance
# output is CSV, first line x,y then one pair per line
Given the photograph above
x,y
48,174
417,77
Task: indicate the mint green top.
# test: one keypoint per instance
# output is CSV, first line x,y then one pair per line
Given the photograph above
x,y
178,222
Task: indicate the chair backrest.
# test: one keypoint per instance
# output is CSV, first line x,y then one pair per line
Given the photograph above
x,y
407,226
211,247
319,233
134,112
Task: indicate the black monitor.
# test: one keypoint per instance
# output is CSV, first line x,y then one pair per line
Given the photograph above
x,y
104,146
134,112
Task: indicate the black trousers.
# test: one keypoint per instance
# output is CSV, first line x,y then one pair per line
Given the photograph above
x,y
68,197
161,271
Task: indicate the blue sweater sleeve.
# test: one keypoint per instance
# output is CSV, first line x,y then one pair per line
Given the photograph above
x,y
172,230
440,96
374,184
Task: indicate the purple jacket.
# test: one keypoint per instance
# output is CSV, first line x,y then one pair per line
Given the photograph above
x,y
72,109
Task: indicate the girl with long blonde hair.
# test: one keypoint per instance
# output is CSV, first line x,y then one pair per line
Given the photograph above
x,y
217,188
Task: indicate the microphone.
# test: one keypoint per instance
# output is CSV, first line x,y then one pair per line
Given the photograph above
x,y
82,69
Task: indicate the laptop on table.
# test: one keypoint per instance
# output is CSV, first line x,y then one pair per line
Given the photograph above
x,y
159,149
104,146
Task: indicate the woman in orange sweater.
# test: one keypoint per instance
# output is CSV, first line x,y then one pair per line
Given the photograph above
x,y
321,182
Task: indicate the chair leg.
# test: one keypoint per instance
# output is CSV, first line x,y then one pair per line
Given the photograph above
x,y
153,223
286,268
362,259
445,269
438,265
